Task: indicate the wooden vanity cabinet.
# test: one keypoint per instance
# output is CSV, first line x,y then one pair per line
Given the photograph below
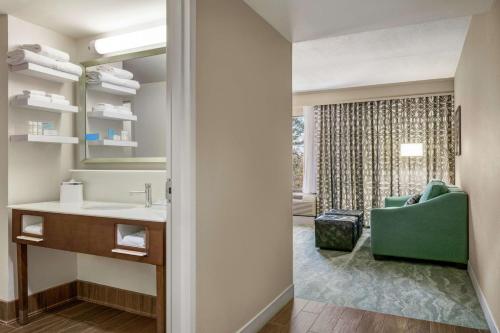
x,y
89,235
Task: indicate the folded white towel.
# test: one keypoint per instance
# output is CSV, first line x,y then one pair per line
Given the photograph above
x,y
96,77
34,229
34,92
56,96
122,110
135,240
118,72
103,107
47,51
59,101
20,56
100,107
34,97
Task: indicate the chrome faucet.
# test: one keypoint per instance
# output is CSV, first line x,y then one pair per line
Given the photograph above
x,y
148,195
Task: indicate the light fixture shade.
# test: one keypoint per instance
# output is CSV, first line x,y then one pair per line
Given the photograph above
x,y
152,37
412,149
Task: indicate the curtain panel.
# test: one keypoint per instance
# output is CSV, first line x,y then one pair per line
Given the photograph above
x,y
357,149
309,176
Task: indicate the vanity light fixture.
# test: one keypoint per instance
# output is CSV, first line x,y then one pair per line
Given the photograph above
x,y
151,37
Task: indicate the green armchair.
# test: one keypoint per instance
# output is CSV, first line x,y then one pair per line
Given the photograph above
x,y
435,228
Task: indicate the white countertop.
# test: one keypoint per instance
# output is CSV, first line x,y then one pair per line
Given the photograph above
x,y
100,209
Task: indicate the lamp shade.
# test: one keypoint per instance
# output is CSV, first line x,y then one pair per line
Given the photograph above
x,y
412,149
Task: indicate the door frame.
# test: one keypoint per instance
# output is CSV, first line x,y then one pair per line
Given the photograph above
x,y
181,225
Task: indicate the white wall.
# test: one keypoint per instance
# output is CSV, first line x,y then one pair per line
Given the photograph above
x,y
4,164
36,170
114,185
32,172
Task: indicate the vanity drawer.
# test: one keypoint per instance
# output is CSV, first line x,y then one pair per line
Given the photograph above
x,y
92,235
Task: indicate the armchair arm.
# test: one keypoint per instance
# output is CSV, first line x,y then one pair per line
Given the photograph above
x,y
396,201
436,229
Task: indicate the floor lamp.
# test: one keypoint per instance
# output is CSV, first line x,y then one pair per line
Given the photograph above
x,y
411,150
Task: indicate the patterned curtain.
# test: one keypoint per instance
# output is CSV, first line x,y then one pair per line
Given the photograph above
x,y
358,150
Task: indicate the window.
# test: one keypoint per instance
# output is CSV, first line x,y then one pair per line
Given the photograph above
x,y
297,153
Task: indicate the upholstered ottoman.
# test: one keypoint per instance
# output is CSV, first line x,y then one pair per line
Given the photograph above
x,y
336,232
348,212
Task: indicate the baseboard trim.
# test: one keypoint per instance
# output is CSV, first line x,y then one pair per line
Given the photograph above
x,y
121,299
482,300
124,300
265,315
39,302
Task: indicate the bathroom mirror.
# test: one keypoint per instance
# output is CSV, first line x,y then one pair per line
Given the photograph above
x,y
123,99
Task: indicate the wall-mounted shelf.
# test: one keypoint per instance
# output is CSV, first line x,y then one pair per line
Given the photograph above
x,y
113,143
33,104
42,72
111,88
111,115
43,138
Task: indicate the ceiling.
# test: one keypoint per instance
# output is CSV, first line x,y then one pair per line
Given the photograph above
x,y
300,20
80,18
353,43
409,53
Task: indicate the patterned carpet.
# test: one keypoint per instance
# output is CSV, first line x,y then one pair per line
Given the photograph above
x,y
423,291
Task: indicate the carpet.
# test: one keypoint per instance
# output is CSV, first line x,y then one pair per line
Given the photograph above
x,y
417,290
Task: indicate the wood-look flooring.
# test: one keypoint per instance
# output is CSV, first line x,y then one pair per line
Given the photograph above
x,y
302,316
299,316
83,317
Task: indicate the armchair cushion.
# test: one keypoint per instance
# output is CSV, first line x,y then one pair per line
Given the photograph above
x,y
434,189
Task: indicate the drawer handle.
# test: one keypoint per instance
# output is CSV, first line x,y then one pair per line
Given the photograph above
x,y
31,239
129,252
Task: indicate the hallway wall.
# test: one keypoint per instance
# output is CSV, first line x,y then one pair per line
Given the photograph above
x,y
477,90
243,130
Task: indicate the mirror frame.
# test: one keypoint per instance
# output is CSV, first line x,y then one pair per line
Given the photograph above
x,y
82,121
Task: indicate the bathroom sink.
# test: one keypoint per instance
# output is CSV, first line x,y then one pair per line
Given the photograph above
x,y
109,206
117,210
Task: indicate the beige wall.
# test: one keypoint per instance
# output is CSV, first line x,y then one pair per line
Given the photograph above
x,y
477,90
369,93
35,170
244,222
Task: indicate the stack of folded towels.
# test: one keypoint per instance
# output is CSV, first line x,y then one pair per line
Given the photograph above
x,y
45,56
34,229
112,75
135,240
42,96
100,107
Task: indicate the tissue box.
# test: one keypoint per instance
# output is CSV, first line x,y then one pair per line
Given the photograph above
x,y
71,192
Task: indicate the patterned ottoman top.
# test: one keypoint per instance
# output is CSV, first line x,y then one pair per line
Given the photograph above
x,y
352,212
337,218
